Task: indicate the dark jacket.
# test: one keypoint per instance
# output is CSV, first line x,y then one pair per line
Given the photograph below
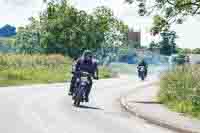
x,y
86,66
143,63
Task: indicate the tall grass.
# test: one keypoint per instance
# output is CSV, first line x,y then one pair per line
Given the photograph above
x,y
180,90
33,61
28,69
7,40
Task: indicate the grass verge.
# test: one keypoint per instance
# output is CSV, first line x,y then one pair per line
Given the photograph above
x,y
180,90
34,69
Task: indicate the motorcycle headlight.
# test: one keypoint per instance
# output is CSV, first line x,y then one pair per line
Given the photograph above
x,y
83,83
77,79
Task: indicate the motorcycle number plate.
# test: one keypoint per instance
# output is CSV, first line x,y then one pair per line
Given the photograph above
x,y
142,69
84,78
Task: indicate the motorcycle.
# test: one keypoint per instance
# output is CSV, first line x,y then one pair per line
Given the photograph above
x,y
81,87
141,71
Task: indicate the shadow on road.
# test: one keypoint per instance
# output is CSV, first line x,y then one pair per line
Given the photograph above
x,y
146,102
89,107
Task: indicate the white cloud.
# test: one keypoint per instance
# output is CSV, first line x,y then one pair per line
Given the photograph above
x,y
188,33
17,2
17,12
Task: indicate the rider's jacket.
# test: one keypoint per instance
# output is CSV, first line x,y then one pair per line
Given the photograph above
x,y
86,66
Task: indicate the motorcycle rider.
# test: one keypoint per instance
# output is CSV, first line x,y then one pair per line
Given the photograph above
x,y
86,64
143,63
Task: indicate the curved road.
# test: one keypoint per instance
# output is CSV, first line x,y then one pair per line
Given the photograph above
x,y
47,109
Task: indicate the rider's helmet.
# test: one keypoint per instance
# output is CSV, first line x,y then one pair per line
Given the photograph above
x,y
87,55
143,61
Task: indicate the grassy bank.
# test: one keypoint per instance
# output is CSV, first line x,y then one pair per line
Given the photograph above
x,y
32,69
7,40
180,90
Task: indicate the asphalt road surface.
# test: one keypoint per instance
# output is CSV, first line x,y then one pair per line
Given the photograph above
x,y
48,109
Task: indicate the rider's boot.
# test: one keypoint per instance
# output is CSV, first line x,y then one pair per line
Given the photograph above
x,y
88,93
87,99
72,86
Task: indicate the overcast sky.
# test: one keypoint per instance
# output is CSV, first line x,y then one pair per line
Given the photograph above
x,y
17,12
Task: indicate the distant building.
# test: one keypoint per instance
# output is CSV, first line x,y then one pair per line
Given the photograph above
x,y
134,36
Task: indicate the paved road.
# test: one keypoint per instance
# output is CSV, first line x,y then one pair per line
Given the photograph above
x,y
47,109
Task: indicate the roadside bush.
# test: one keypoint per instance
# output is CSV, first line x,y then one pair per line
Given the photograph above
x,y
105,72
180,59
180,90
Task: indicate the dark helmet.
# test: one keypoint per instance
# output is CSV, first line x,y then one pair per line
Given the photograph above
x,y
87,54
142,62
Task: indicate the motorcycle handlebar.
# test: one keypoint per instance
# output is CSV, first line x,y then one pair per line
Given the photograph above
x,y
82,73
85,74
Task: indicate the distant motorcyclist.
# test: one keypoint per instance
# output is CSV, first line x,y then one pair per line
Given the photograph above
x,y
85,64
143,63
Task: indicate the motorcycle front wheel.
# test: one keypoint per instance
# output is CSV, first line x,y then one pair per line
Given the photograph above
x,y
78,97
77,102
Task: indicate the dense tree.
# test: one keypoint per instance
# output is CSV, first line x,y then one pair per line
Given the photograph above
x,y
170,11
165,47
153,46
27,40
64,29
168,45
196,51
187,51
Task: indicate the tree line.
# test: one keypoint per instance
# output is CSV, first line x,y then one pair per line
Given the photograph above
x,y
62,28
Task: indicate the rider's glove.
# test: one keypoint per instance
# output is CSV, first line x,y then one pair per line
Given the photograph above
x,y
96,77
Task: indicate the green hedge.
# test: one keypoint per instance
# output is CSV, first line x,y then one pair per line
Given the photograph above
x,y
180,90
